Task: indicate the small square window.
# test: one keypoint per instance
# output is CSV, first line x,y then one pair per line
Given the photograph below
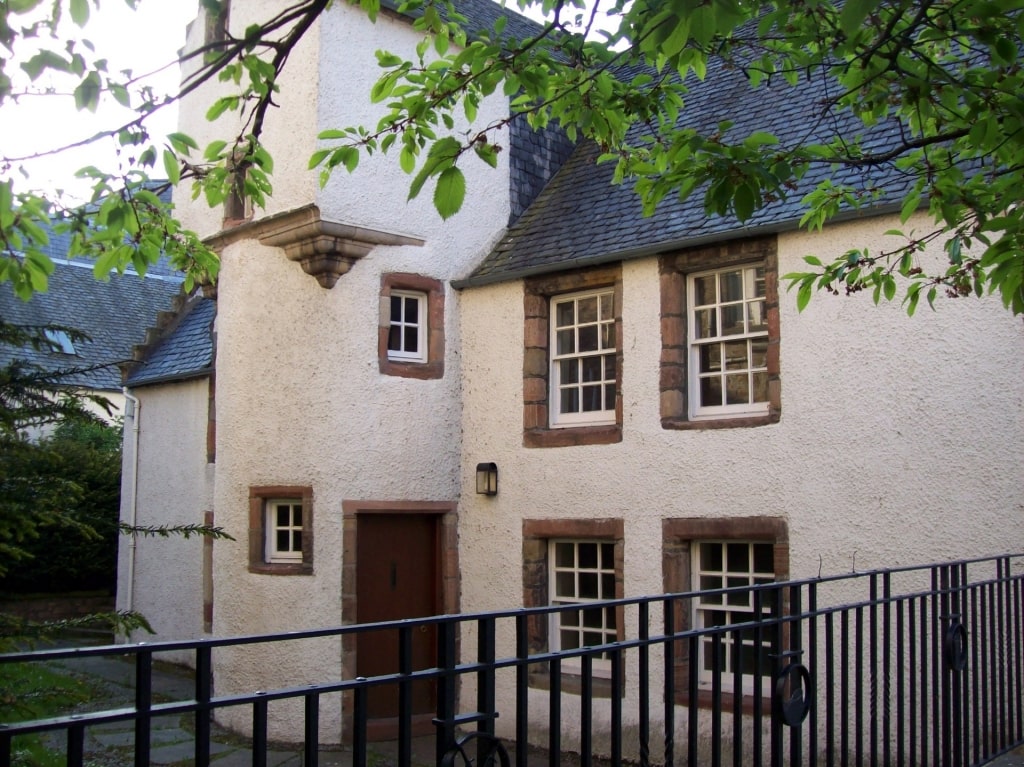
x,y
284,530
411,326
407,332
59,341
281,530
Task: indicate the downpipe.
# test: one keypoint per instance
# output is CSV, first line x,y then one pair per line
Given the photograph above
x,y
133,487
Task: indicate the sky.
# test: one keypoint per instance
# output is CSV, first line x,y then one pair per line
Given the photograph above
x,y
143,41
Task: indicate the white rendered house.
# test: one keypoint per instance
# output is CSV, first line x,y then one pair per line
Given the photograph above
x,y
659,414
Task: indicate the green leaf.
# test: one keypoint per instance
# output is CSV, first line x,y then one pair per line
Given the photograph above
x,y
744,201
450,192
182,142
214,150
889,287
120,94
80,12
171,167
87,94
803,295
407,160
853,15
42,61
318,157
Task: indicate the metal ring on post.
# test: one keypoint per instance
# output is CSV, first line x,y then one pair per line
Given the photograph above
x,y
794,709
495,752
956,646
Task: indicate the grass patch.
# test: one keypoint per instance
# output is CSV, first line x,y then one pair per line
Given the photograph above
x,y
36,691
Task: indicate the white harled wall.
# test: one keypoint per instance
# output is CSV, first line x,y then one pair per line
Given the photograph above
x,y
175,487
901,439
300,398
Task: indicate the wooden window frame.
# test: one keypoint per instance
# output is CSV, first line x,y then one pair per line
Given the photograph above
x,y
258,529
569,420
421,325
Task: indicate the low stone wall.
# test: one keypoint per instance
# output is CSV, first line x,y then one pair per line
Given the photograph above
x,y
57,607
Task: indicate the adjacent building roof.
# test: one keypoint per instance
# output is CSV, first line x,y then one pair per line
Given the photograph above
x,y
183,349
113,314
581,218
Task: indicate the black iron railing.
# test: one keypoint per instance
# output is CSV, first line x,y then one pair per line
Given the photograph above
x,y
905,666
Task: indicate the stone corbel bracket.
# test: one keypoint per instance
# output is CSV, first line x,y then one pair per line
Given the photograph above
x,y
325,249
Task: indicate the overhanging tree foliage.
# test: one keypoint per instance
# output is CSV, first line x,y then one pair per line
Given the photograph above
x,y
60,492
928,91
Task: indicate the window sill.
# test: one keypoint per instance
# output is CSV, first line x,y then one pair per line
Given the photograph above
x,y
281,568
739,422
706,699
573,436
601,687
421,370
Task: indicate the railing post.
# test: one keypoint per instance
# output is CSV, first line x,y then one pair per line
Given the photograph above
x,y
143,703
669,702
445,722
617,675
405,695
259,733
586,711
644,671
555,713
75,746
522,688
486,693
780,662
311,751
203,676
796,640
5,745
360,702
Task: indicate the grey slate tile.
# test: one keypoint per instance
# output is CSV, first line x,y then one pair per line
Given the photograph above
x,y
581,218
185,351
114,314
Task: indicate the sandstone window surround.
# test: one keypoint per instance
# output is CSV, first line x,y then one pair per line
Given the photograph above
x,y
427,326
682,568
600,542
544,424
281,530
720,336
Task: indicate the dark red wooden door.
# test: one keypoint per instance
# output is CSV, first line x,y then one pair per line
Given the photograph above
x,y
397,577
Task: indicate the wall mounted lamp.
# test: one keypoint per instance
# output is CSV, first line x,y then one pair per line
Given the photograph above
x,y
487,478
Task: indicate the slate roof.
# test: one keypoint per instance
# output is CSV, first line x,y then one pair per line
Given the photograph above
x,y
581,218
113,314
481,16
183,351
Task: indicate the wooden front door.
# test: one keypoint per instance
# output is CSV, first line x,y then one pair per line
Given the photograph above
x,y
397,576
